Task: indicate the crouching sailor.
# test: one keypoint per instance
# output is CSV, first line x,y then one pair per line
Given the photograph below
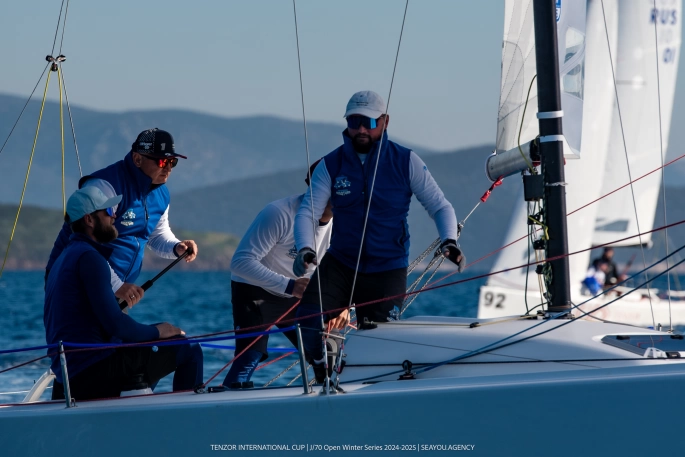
x,y
263,287
347,176
80,307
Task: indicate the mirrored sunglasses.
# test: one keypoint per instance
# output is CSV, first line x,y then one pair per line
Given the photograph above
x,y
162,162
354,122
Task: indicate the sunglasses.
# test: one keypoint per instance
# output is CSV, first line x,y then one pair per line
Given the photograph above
x,y
111,212
161,163
354,122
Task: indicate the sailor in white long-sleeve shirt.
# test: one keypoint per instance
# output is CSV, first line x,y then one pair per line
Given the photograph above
x,y
263,286
380,258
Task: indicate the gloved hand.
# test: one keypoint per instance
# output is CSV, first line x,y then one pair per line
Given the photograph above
x,y
449,249
305,257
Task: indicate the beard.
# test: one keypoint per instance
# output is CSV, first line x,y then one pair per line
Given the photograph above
x,y
104,233
362,143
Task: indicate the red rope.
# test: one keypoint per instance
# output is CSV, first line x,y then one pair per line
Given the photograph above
x,y
251,344
280,357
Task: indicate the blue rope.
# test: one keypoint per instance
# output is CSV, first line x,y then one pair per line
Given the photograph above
x,y
159,343
179,341
34,348
218,346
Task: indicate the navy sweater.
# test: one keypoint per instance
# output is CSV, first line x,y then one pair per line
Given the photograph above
x,y
80,306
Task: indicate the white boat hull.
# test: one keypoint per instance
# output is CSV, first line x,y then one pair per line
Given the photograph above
x,y
633,309
537,402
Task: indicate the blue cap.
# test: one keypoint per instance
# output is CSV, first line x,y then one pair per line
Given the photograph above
x,y
88,200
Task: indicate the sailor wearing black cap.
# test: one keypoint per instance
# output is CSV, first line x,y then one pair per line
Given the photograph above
x,y
143,214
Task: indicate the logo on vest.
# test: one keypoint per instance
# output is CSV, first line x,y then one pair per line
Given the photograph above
x,y
126,218
341,185
293,253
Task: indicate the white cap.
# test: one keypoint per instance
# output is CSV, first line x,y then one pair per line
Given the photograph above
x,y
367,103
88,200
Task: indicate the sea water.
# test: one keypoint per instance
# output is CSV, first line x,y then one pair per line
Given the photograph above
x,y
197,302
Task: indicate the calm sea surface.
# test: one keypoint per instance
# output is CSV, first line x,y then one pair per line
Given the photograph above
x,y
198,302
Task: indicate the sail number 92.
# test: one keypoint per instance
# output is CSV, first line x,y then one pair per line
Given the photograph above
x,y
494,299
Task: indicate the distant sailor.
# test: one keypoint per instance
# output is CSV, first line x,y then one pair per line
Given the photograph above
x,y
143,214
263,287
81,308
345,177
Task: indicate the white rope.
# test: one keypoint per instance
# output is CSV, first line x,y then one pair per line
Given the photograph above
x,y
625,148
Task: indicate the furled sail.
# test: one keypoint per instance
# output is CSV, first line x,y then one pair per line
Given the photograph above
x,y
519,68
636,79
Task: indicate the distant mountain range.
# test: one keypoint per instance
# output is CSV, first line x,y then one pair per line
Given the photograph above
x,y
219,149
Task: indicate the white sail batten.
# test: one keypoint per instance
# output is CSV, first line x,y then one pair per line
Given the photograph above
x,y
636,79
519,68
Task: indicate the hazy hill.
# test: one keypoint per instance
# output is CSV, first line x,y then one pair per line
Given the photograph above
x,y
38,227
219,149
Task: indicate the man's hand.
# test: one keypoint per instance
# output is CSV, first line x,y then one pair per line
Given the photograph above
x,y
130,293
341,321
183,246
304,258
449,249
300,286
166,330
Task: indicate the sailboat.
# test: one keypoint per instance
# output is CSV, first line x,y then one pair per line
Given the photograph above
x,y
512,386
619,49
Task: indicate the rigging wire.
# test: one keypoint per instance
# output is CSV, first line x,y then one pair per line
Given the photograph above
x,y
625,149
661,156
378,156
311,189
490,348
71,122
59,20
26,179
24,108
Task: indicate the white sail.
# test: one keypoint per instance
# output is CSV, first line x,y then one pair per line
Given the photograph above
x,y
519,68
583,176
636,78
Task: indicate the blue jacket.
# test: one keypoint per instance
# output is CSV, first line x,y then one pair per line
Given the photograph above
x,y
141,207
386,243
80,306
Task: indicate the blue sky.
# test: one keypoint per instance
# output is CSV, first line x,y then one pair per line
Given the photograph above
x,y
238,57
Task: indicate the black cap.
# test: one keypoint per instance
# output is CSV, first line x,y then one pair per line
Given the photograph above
x,y
155,142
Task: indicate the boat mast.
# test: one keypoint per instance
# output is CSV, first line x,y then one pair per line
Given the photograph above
x,y
551,152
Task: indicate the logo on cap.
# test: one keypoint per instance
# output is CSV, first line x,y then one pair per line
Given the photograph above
x,y
145,145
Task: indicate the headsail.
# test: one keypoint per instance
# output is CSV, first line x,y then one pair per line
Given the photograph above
x,y
519,68
583,176
636,78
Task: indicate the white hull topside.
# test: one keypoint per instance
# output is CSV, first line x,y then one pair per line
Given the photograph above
x,y
525,399
632,309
